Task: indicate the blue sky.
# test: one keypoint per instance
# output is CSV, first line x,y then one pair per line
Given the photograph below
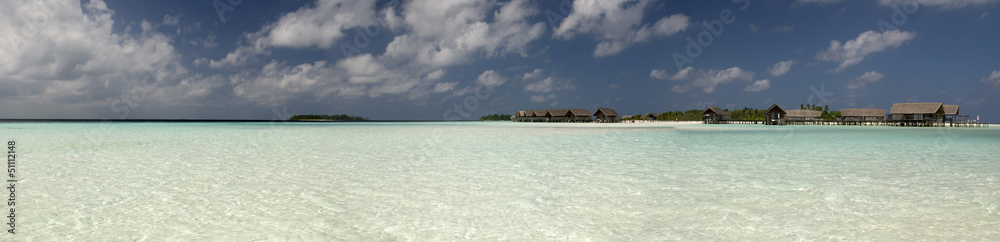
x,y
453,59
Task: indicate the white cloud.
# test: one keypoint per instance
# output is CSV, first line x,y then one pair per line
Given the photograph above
x,y
444,86
707,80
758,86
753,28
542,98
444,33
532,75
320,25
780,68
868,43
617,24
490,78
548,85
858,87
67,55
984,15
993,79
435,75
427,36
945,4
171,20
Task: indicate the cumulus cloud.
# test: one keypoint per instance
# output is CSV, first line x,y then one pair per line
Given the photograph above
x,y
427,36
707,80
617,24
85,63
444,86
435,75
532,75
319,25
780,68
993,79
858,87
758,86
490,78
870,42
945,4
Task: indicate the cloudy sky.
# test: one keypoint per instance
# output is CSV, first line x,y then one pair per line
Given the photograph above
x,y
460,59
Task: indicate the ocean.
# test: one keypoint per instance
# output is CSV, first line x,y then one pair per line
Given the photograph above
x,y
433,181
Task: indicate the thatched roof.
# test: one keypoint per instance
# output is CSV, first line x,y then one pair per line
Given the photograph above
x,y
917,108
715,110
607,112
541,113
579,112
862,112
804,113
558,112
654,115
628,116
950,109
774,108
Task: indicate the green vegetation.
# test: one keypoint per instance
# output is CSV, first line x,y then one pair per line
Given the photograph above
x,y
341,117
689,115
827,115
495,117
748,114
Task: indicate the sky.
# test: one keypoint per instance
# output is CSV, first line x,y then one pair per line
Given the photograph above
x,y
461,59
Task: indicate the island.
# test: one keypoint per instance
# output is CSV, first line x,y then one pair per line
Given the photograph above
x,y
339,117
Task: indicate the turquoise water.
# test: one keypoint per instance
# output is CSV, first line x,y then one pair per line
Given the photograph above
x,y
503,181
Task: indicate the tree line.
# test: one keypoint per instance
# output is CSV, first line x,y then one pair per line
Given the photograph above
x,y
339,117
739,114
495,117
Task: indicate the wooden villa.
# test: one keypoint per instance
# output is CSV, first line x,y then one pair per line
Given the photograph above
x,y
541,115
803,116
557,115
950,114
715,115
578,115
651,116
863,116
606,115
775,116
917,114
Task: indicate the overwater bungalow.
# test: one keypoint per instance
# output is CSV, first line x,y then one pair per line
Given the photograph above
x,y
775,116
541,115
855,116
950,113
651,116
917,114
557,115
606,115
519,116
803,116
579,115
715,115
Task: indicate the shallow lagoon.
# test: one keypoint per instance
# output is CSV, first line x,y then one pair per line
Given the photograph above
x,y
501,180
